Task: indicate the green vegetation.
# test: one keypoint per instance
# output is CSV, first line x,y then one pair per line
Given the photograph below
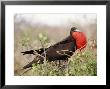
x,y
79,65
82,63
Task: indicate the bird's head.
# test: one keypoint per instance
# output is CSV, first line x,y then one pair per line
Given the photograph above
x,y
73,29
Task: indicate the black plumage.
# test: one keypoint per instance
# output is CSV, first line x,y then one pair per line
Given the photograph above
x,y
59,51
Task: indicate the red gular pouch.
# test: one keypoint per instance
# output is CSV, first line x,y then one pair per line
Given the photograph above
x,y
80,39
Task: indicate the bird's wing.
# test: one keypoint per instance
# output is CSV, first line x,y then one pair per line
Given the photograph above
x,y
67,47
66,40
39,51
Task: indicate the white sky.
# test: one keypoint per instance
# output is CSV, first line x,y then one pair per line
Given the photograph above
x,y
57,19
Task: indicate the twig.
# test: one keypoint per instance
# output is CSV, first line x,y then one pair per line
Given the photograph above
x,y
44,52
45,68
39,54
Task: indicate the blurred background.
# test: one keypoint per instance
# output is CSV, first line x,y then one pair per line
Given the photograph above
x,y
27,28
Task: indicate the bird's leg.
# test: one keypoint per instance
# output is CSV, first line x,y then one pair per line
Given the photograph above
x,y
59,63
56,62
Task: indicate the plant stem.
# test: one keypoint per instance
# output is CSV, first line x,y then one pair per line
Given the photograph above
x,y
44,57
